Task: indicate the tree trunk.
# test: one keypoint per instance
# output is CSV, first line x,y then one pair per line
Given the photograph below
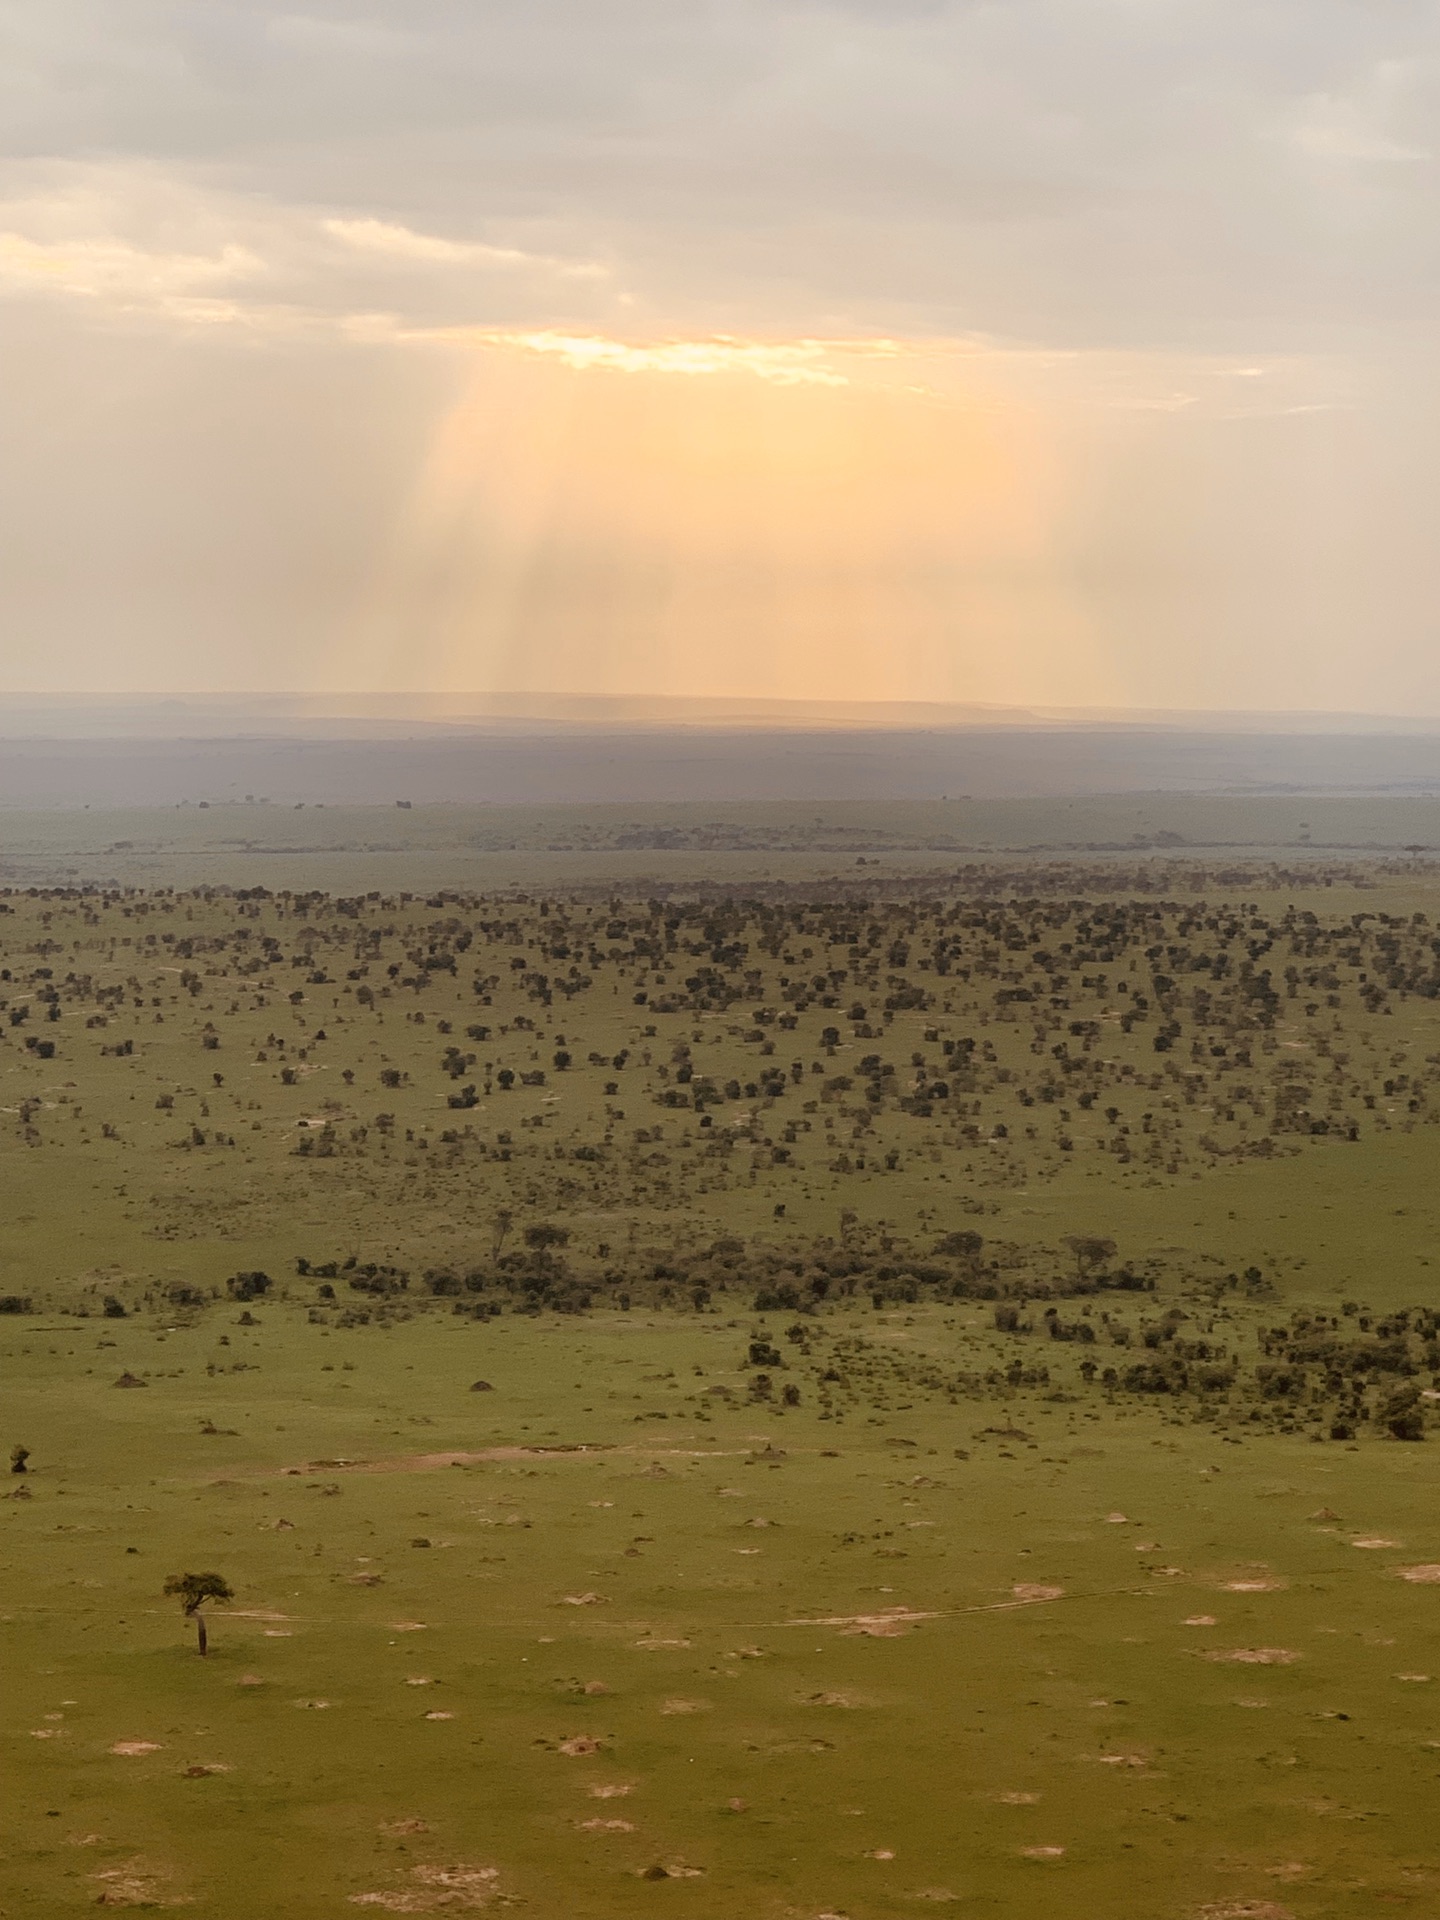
x,y
200,1629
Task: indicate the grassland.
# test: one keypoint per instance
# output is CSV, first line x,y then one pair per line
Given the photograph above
x,y
831,1402
641,847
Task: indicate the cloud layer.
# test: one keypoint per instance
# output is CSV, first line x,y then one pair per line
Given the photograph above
x,y
1177,256
1201,174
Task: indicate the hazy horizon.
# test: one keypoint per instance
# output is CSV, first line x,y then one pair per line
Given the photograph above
x,y
163,713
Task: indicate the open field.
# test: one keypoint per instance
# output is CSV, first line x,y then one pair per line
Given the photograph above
x,y
635,847
166,753
1030,1283
823,1667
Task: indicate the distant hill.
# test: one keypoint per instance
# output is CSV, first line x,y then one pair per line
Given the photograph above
x,y
519,750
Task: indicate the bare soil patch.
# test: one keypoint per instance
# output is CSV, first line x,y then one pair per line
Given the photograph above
x,y
1253,1656
456,1888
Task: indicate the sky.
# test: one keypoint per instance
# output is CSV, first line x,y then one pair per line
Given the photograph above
x,y
1078,352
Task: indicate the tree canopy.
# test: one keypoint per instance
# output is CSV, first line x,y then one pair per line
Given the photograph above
x,y
193,1590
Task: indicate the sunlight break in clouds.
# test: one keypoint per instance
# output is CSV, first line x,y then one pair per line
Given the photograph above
x,y
797,363
112,270
402,243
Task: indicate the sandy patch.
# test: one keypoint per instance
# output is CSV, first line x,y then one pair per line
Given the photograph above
x,y
438,1713
685,1706
1373,1541
1033,1590
450,1887
1254,1656
1043,1853
134,1885
1201,1620
606,1826
578,1745
582,1600
1254,1584
1425,1576
464,1457
402,1829
609,1790
1245,1910
1016,1799
1123,1760
885,1625
132,1749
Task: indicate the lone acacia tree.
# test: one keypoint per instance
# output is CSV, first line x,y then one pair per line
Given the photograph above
x,y
1089,1251
194,1590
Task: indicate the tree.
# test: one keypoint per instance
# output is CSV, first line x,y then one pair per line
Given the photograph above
x,y
965,1245
193,1591
1401,1414
1090,1251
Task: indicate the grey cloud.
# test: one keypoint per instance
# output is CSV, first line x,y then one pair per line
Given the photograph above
x,y
1184,174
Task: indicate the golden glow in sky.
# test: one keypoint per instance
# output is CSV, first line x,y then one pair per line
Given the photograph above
x,y
715,516
851,519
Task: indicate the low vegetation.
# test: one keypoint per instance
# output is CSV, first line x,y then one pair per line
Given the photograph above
x,y
669,1380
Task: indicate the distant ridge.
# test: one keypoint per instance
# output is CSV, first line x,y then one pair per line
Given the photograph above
x,y
411,714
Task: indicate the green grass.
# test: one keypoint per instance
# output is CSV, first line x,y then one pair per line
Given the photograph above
x,y
1042,1733
636,847
1171,1780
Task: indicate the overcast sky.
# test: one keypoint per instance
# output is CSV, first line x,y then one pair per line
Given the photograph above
x,y
1048,350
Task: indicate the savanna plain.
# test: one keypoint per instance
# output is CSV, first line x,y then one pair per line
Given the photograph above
x,y
830,1396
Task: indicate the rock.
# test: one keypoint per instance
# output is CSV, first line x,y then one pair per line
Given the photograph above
x,y
481,1386
130,1380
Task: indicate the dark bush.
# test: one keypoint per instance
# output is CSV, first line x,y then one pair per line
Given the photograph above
x,y
248,1286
